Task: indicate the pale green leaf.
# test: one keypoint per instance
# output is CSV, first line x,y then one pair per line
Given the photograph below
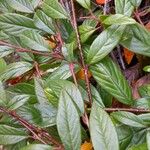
x,y
37,147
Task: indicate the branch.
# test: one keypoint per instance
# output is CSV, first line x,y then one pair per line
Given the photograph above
x,y
85,67
20,49
38,133
134,110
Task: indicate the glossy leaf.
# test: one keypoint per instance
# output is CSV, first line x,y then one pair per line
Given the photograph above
x,y
137,39
102,130
148,139
37,147
21,5
15,69
124,7
43,22
108,75
15,23
85,3
128,119
68,123
104,43
119,19
10,135
34,41
54,9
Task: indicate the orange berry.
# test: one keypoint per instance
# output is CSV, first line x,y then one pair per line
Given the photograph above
x,y
86,146
100,2
128,55
80,74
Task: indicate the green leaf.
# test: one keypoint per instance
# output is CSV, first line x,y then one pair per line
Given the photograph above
x,y
144,90
85,3
37,147
145,118
104,43
21,5
128,118
3,99
10,135
103,133
35,41
110,78
124,135
57,85
136,39
43,22
17,101
139,147
15,69
35,3
148,139
15,23
68,123
5,7
136,3
124,7
118,19
146,68
54,9
63,72
3,65
5,50
143,103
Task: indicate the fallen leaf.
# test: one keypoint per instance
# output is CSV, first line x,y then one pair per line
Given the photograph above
x,y
86,146
128,55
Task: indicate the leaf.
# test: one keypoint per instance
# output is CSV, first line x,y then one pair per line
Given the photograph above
x,y
3,98
21,5
15,69
15,23
35,3
43,22
63,72
139,147
5,50
128,118
57,85
148,139
146,68
118,19
54,9
128,55
35,41
104,43
68,123
10,135
137,40
144,90
3,65
124,7
143,103
85,3
37,147
136,3
4,6
145,118
108,75
103,133
17,101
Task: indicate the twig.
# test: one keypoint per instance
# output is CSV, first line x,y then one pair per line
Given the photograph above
x,y
38,133
85,67
134,110
20,49
38,73
138,17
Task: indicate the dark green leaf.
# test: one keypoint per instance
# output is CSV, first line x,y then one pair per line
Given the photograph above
x,y
68,122
128,118
108,75
54,9
15,23
15,69
10,135
35,41
43,22
136,39
102,130
104,43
